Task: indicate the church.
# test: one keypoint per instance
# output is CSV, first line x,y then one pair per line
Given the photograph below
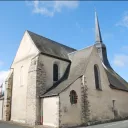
x,y
54,85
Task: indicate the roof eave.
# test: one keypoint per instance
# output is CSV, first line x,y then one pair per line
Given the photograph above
x,y
45,96
56,57
113,87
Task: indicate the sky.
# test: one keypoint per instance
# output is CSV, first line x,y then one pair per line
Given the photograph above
x,y
69,22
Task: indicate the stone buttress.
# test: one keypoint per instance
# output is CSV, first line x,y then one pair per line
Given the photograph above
x,y
36,86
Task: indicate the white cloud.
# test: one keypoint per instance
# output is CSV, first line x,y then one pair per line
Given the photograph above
x,y
49,8
120,60
68,4
124,21
3,75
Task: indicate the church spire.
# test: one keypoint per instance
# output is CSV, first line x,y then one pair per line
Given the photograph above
x,y
101,48
98,37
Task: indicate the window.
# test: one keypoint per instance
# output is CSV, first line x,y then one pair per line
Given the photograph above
x,y
55,72
97,77
73,97
21,76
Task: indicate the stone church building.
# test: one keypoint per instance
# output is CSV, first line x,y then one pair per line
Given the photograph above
x,y
54,85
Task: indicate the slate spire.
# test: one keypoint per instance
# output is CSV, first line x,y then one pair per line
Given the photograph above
x,y
98,37
101,48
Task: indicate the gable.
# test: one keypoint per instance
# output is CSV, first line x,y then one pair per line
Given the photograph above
x,y
26,49
115,81
50,47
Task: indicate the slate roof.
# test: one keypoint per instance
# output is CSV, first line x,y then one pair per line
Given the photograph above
x,y
50,47
77,69
116,81
97,27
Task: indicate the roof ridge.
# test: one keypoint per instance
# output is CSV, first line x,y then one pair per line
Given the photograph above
x,y
81,49
50,39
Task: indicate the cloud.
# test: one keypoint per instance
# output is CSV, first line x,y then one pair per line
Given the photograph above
x,y
3,75
49,8
124,21
120,60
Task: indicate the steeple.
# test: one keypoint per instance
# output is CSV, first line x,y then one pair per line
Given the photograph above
x,y
101,48
98,37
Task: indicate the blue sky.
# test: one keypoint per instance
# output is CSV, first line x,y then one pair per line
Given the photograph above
x,y
68,22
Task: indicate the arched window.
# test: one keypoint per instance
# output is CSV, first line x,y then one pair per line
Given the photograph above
x,y
97,77
55,72
73,97
21,76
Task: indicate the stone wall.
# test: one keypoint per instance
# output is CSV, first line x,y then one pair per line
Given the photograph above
x,y
93,105
84,102
36,86
40,78
48,62
8,97
101,101
70,114
21,63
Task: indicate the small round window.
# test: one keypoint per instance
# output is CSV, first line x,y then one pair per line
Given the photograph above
x,y
73,97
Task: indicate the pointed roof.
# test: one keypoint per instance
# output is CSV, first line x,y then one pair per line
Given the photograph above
x,y
50,47
97,30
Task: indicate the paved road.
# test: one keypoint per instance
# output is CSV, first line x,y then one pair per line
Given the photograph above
x,y
8,125
119,124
